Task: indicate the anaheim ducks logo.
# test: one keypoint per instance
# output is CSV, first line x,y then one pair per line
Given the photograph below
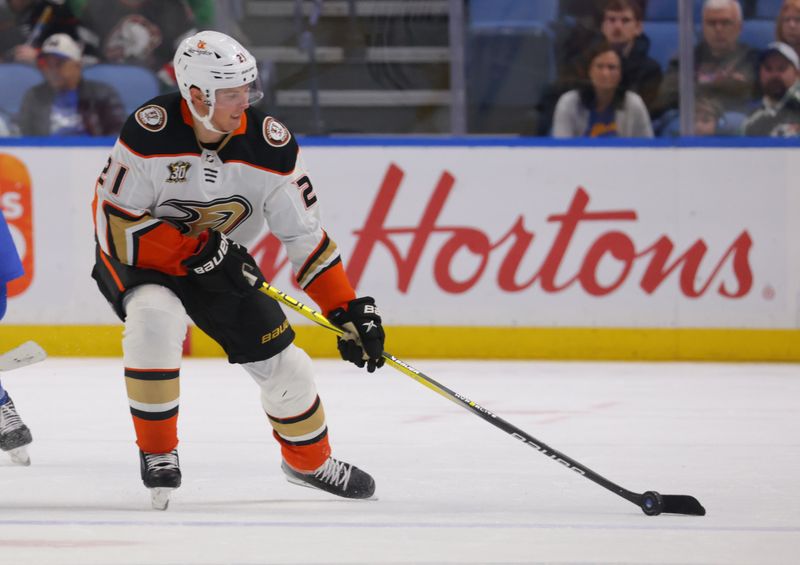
x,y
193,218
275,132
152,117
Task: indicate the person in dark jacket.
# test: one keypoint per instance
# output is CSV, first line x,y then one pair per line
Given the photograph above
x,y
779,82
66,104
622,28
619,24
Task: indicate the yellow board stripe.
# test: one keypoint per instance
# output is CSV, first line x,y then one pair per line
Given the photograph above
x,y
413,342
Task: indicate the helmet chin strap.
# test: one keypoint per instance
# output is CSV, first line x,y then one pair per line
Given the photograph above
x,y
205,120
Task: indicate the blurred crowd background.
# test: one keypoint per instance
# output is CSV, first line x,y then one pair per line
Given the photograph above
x,y
561,68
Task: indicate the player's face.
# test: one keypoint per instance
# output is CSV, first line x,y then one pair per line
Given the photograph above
x,y
230,104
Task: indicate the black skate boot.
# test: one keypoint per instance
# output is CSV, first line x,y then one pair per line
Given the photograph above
x,y
14,434
335,477
161,473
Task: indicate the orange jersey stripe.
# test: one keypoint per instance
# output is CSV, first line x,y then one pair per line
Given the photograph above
x,y
164,248
331,289
111,270
161,247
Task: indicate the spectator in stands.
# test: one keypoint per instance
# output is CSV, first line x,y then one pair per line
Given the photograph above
x,y
602,107
66,104
622,28
25,24
618,22
779,113
724,68
141,32
787,26
707,116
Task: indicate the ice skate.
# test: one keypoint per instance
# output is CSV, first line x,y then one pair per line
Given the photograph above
x,y
14,434
337,477
161,473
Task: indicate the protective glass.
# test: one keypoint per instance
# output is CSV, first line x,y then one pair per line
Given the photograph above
x,y
239,96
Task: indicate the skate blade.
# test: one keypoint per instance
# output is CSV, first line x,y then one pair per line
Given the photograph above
x,y
159,497
19,456
296,481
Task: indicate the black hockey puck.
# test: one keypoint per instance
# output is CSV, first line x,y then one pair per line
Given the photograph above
x,y
652,504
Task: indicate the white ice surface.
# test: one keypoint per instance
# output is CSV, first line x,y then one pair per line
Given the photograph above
x,y
451,488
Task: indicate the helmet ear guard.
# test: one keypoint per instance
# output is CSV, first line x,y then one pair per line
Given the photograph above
x,y
212,61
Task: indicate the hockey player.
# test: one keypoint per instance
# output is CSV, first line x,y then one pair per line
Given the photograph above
x,y
14,434
194,178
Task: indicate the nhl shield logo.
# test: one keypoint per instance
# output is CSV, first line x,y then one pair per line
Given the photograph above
x,y
275,132
177,171
152,117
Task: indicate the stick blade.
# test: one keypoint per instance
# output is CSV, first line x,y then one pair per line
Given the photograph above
x,y
682,504
26,354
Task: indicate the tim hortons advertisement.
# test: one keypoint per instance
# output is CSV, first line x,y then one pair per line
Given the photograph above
x,y
483,236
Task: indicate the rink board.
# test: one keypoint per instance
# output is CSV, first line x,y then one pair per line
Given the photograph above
x,y
481,250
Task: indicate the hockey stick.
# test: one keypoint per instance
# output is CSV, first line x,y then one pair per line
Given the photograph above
x,y
26,354
651,502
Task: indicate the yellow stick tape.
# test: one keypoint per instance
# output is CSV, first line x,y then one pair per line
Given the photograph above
x,y
413,342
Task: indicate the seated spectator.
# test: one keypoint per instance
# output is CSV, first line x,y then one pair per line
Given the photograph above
x,y
602,107
65,104
27,23
724,68
787,26
622,28
707,116
778,74
618,22
141,32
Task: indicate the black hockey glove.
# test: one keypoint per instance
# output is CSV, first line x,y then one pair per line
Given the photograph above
x,y
362,341
222,265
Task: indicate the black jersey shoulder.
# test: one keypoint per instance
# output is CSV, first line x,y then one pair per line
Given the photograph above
x,y
157,128
266,143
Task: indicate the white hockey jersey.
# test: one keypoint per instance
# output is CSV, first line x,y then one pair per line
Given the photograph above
x,y
160,189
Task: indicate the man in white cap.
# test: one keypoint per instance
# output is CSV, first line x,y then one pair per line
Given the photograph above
x,y
778,80
66,104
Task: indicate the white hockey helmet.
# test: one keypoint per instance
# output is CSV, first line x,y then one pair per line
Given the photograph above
x,y
210,61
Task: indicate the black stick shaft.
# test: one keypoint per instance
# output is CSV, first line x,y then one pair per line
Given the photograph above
x,y
462,401
509,428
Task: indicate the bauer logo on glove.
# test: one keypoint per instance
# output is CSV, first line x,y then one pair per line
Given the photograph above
x,y
222,265
214,262
363,337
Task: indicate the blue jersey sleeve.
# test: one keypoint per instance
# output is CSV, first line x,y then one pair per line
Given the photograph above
x,y
10,265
